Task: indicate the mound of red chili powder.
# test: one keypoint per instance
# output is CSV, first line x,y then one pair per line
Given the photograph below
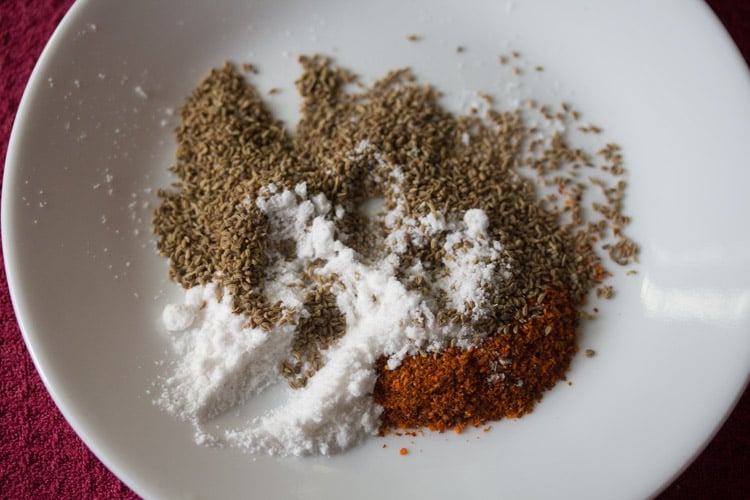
x,y
504,376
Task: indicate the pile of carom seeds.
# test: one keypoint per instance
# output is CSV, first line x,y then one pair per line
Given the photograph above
x,y
400,266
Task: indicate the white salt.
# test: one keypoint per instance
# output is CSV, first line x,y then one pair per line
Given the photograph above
x,y
221,362
179,317
140,92
472,268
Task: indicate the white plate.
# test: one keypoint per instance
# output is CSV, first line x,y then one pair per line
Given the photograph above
x,y
93,136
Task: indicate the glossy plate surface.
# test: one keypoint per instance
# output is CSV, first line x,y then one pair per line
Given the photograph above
x,y
93,139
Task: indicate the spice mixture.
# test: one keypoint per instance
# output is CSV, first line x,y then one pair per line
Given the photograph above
x,y
402,267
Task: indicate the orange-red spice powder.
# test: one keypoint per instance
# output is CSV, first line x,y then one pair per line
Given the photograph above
x,y
502,377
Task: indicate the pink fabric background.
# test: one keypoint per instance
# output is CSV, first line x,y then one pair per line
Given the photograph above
x,y
40,455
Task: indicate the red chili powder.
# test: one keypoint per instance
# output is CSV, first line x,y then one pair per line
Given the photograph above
x,y
502,377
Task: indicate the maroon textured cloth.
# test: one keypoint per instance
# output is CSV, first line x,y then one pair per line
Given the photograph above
x,y
40,455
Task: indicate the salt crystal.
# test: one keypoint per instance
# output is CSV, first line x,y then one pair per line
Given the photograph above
x,y
140,92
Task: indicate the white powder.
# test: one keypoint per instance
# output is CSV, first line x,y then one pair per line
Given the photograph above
x,y
140,92
221,363
179,317
475,264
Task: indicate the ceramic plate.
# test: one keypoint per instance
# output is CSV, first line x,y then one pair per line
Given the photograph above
x,y
93,139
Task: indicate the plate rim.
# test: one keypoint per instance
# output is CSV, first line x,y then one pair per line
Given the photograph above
x,y
17,289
